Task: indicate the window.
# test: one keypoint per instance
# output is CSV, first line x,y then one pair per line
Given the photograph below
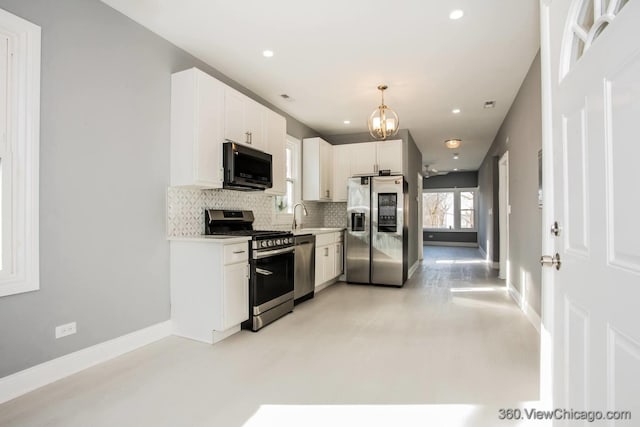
x,y
284,204
438,210
19,148
449,210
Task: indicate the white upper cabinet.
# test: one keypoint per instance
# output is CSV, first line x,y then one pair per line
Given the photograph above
x,y
389,156
204,113
317,170
244,120
197,104
341,172
363,158
369,158
276,145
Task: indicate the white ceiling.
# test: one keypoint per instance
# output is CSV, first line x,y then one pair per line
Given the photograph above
x,y
331,55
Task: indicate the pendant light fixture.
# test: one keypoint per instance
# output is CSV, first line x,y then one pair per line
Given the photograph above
x,y
383,122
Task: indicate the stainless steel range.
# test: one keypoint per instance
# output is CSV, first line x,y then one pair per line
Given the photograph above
x,y
271,256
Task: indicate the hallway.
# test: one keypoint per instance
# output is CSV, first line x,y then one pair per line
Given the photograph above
x,y
450,335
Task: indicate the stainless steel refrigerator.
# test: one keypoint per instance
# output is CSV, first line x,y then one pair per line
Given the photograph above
x,y
376,246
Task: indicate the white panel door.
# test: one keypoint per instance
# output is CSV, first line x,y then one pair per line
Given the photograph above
x,y
255,118
592,87
208,151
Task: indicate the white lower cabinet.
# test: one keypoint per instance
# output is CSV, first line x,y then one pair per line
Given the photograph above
x,y
209,287
329,256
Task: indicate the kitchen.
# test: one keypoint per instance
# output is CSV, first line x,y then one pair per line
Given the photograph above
x,y
110,212
253,163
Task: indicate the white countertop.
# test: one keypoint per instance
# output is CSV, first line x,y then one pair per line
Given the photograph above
x,y
225,240
315,231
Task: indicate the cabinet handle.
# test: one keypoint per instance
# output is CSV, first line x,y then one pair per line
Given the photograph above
x,y
248,271
326,251
327,193
248,134
238,252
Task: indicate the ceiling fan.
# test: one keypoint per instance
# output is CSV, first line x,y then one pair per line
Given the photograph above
x,y
429,171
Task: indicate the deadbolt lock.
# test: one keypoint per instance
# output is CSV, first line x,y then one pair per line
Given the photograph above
x,y
555,229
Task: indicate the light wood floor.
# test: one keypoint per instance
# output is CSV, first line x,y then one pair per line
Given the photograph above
x,y
450,335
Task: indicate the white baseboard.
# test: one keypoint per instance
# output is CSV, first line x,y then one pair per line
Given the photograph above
x,y
493,264
37,376
462,244
528,311
413,269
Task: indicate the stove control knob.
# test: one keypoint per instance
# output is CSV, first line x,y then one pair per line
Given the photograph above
x,y
269,242
278,242
263,244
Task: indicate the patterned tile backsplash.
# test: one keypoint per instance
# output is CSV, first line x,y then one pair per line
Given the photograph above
x,y
185,210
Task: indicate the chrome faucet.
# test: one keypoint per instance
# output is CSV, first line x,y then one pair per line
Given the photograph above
x,y
294,226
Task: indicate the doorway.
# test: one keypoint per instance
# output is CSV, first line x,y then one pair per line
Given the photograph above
x,y
503,214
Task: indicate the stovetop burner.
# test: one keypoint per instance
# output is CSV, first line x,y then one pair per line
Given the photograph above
x,y
237,223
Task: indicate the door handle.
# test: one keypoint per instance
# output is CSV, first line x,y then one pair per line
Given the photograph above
x,y
264,272
551,261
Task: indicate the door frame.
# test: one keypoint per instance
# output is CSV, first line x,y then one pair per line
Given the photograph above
x,y
548,244
503,215
420,219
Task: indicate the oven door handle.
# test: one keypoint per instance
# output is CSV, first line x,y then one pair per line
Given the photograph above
x,y
264,254
264,272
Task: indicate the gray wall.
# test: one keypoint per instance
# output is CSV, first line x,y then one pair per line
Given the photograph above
x,y
104,172
467,179
523,127
412,159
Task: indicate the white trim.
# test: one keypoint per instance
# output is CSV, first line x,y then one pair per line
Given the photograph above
x,y
38,376
23,138
528,311
413,269
504,210
462,244
495,265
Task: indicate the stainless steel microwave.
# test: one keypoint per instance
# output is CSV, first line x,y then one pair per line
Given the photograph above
x,y
245,168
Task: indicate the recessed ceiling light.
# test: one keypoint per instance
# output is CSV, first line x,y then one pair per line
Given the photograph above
x,y
455,169
456,111
347,122
456,14
456,156
267,53
452,143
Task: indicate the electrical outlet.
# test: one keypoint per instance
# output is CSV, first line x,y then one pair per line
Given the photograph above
x,y
66,329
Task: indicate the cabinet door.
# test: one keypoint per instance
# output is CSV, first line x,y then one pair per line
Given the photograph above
x,y
363,158
276,142
329,262
341,172
234,121
207,150
339,269
254,115
235,298
389,155
326,171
